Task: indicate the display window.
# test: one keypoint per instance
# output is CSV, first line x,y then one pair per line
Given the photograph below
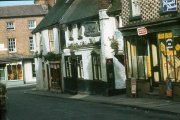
x,y
170,55
14,71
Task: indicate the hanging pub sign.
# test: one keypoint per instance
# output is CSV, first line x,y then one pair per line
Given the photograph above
x,y
169,5
91,29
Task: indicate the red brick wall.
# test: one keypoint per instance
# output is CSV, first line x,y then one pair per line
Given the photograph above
x,y
21,34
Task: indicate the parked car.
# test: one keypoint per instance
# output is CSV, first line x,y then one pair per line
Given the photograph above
x,y
3,97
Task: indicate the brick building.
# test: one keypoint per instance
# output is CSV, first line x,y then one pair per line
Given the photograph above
x,y
16,42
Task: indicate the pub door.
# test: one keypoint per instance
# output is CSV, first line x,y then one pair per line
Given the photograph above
x,y
55,76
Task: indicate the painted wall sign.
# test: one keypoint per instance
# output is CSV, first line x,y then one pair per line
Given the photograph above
x,y
169,5
142,31
91,29
169,43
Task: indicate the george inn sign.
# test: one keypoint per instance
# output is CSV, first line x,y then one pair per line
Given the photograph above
x,y
91,29
169,5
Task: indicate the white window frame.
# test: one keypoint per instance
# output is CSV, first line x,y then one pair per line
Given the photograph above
x,y
31,24
136,8
10,25
12,45
31,44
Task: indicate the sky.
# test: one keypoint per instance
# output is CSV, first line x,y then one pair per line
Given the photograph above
x,y
15,2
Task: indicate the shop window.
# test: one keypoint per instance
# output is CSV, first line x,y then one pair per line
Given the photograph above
x,y
170,56
96,64
14,72
136,58
51,40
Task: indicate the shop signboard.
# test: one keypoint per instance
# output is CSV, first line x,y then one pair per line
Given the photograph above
x,y
142,31
133,85
169,87
169,5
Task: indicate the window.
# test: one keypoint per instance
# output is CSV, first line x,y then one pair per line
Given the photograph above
x,y
31,44
31,24
51,40
96,63
10,25
117,21
79,67
12,45
14,71
137,53
33,70
70,30
68,66
75,67
136,8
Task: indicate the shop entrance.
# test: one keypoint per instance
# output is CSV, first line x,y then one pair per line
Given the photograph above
x,y
55,75
155,67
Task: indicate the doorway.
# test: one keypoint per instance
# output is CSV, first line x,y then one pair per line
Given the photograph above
x,y
55,76
155,66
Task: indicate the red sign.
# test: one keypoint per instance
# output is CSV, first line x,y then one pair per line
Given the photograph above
x,y
142,31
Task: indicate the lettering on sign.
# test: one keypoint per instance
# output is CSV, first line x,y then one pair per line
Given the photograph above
x,y
142,31
169,5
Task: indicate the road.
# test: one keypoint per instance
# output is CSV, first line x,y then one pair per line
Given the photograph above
x,y
33,107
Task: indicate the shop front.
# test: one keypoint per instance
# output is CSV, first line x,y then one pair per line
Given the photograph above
x,y
152,58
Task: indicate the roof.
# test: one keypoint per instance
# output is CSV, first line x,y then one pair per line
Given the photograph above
x,y
114,8
54,15
81,9
22,10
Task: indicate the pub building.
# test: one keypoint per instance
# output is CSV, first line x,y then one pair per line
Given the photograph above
x,y
152,49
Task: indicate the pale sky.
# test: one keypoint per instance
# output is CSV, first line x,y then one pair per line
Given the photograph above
x,y
15,2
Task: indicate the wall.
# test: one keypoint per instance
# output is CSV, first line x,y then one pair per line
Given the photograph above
x,y
21,34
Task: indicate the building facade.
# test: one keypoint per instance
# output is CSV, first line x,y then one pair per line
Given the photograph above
x,y
16,42
151,34
84,42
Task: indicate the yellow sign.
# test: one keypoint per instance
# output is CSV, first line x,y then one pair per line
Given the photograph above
x,y
168,35
170,52
161,36
148,66
162,48
177,47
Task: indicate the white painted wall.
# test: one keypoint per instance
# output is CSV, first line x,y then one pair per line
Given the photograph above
x,y
107,28
28,75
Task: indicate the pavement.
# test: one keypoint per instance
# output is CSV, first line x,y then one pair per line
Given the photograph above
x,y
147,104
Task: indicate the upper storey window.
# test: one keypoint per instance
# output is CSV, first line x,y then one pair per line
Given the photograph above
x,y
31,24
136,8
10,25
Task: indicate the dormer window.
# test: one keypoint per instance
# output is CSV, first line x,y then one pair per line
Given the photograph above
x,y
70,30
79,27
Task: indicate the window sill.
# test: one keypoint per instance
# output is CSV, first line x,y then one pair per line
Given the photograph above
x,y
134,18
170,12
